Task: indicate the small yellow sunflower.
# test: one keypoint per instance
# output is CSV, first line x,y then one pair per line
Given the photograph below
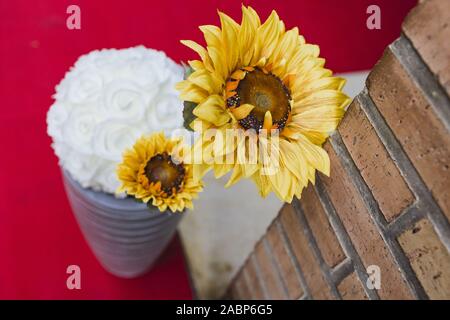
x,y
154,170
261,78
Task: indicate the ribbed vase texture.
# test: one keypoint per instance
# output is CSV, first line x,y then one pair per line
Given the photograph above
x,y
125,235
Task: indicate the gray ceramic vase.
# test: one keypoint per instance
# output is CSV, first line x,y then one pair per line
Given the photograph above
x,y
126,236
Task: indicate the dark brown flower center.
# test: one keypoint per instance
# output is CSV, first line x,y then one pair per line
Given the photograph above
x,y
162,168
266,92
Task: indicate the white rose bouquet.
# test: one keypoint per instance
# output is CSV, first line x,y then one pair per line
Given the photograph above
x,y
105,102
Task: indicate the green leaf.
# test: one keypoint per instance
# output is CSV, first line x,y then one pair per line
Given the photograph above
x,y
151,207
187,70
189,107
188,114
135,199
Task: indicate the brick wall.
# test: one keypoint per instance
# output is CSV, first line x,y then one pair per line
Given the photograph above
x,y
387,200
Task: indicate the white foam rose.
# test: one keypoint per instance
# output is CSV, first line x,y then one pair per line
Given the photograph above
x,y
107,100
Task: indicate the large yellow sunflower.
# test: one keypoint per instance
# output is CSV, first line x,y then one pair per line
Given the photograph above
x,y
262,79
154,170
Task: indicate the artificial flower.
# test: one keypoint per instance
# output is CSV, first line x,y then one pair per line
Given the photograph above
x,y
267,81
154,171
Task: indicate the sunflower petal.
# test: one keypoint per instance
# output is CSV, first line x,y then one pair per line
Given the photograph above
x,y
287,47
319,84
219,62
212,35
262,183
242,111
191,92
316,156
321,119
293,159
205,80
294,132
247,35
212,110
320,98
267,37
282,185
230,31
267,125
305,51
222,169
235,176
202,52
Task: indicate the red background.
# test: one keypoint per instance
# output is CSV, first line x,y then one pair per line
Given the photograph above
x,y
39,237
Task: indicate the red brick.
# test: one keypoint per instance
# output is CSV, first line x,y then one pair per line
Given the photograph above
x,y
245,291
269,274
419,131
285,263
361,229
253,279
239,288
311,269
428,28
234,291
429,259
323,232
352,289
376,167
